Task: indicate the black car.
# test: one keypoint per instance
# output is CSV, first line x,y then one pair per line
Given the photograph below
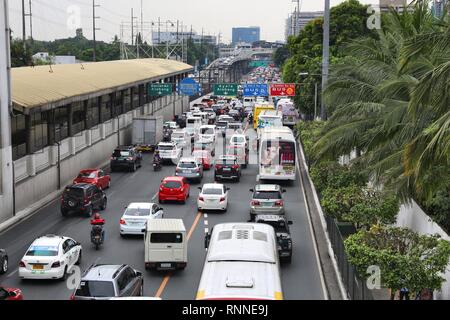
x,y
103,282
82,198
3,261
126,157
181,120
227,167
281,226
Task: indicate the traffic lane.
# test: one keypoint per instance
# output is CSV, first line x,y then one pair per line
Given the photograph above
x,y
301,278
127,187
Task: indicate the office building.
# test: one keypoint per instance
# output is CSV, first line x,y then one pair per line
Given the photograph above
x,y
175,37
246,34
296,22
438,7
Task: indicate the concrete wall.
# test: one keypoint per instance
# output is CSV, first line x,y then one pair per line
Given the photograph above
x,y
413,217
37,174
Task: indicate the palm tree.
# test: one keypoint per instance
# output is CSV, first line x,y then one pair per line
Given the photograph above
x,y
384,106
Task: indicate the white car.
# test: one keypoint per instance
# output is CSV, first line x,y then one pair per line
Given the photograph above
x,y
136,215
50,257
207,133
240,140
213,196
172,125
169,151
181,137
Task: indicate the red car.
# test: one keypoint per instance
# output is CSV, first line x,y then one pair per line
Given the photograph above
x,y
205,157
94,176
10,294
174,189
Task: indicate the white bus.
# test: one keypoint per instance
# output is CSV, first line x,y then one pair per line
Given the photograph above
x,y
277,154
269,118
241,264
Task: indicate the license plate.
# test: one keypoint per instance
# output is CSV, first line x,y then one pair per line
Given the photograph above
x,y
267,204
166,265
226,169
38,267
97,237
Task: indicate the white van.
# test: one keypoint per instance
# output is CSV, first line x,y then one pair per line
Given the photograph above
x,y
181,137
193,125
165,244
207,133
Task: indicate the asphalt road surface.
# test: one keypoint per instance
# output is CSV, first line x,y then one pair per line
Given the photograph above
x,y
300,280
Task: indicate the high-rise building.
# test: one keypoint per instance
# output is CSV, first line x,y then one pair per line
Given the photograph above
x,y
398,5
175,37
296,22
246,35
439,6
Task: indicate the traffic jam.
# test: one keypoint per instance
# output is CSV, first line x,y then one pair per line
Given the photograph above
x,y
226,154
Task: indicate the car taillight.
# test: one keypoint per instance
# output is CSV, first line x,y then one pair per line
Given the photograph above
x,y
113,158
122,221
235,167
256,203
72,297
56,264
86,200
201,198
22,264
218,166
279,203
222,199
130,159
197,169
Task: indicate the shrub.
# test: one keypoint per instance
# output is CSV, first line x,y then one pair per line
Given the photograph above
x,y
309,133
338,202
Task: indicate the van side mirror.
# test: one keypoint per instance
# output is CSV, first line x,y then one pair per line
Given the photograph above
x,y
199,188
290,223
228,188
251,190
207,239
283,191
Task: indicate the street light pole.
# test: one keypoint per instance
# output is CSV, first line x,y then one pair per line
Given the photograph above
x,y
326,54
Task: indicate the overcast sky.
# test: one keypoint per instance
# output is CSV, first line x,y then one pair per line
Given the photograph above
x,y
51,18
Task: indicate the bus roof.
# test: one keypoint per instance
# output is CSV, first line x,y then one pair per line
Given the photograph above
x,y
242,242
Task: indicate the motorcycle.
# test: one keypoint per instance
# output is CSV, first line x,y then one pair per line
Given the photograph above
x,y
167,135
97,236
157,165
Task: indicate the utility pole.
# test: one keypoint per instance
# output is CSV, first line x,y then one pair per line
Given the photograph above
x,y
30,15
24,31
159,30
132,27
94,29
326,55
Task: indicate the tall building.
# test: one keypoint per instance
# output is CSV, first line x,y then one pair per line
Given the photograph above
x,y
296,22
398,5
438,7
246,34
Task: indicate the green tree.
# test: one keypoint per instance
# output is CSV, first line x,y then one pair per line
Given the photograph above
x,y
280,56
373,96
348,22
406,259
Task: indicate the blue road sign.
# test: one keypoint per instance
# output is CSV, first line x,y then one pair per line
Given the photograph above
x,y
256,90
188,87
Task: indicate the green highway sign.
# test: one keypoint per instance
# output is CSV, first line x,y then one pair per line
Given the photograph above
x,y
226,89
258,63
160,89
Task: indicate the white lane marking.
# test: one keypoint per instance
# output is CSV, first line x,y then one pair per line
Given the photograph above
x,y
12,273
154,197
316,251
206,222
205,216
206,230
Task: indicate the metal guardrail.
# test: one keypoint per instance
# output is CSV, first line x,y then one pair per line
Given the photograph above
x,y
356,287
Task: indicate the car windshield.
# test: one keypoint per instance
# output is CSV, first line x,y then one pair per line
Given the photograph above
x,y
121,153
207,131
200,154
88,175
221,124
74,192
165,148
137,212
212,191
99,289
226,161
238,139
271,195
42,251
172,184
187,165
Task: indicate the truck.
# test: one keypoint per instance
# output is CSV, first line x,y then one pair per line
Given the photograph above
x,y
257,110
290,113
147,132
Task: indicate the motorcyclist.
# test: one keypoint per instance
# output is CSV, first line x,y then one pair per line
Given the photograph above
x,y
97,223
157,157
250,118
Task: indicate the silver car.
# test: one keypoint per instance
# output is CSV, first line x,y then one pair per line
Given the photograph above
x,y
189,168
267,199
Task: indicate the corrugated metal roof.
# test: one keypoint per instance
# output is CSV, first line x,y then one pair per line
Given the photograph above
x,y
37,86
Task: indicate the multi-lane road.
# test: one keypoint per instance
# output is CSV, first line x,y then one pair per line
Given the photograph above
x,y
300,280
